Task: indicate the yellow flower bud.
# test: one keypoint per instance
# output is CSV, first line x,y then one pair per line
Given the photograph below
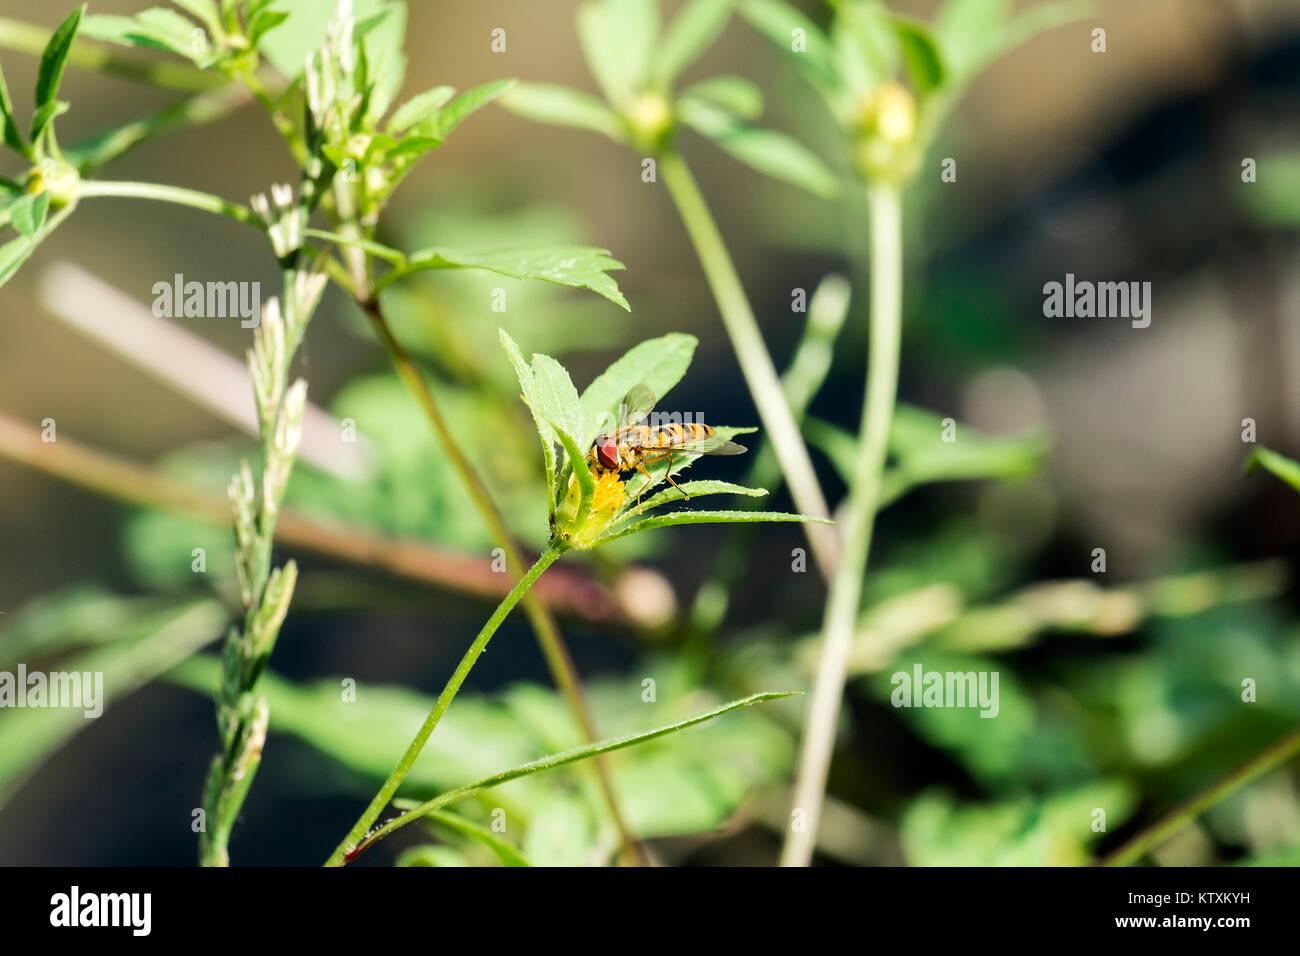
x,y
890,114
651,118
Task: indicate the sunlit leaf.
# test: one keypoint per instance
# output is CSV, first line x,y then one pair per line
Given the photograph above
x,y
617,39
13,137
789,30
921,53
657,363
418,108
450,116
28,213
570,756
697,489
636,524
562,106
696,25
578,266
733,93
767,151
1281,466
55,57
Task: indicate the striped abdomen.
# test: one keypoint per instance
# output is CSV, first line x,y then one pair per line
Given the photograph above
x,y
668,436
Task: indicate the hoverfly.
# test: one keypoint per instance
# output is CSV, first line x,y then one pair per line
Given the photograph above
x,y
633,445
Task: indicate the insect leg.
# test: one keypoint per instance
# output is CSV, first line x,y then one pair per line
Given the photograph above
x,y
669,476
661,457
641,468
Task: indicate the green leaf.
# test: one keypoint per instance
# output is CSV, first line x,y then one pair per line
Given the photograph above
x,y
44,116
172,29
55,57
28,213
149,642
562,106
15,252
703,517
767,151
430,856
1274,200
263,23
696,25
778,22
12,255
696,489
921,53
919,455
528,387
578,468
558,398
204,10
454,112
734,94
1281,466
419,108
368,736
410,149
971,33
13,137
657,363
582,267
864,47
617,38
154,29
570,756
507,854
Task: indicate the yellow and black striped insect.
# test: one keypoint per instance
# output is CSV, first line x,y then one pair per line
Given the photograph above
x,y
633,445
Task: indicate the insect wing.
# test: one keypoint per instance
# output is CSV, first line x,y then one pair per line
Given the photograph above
x,y
712,445
636,405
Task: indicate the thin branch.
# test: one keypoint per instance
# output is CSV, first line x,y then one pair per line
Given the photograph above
x,y
348,848
207,202
752,355
565,589
864,496
554,649
1151,837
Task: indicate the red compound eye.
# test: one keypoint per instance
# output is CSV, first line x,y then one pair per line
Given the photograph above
x,y
607,452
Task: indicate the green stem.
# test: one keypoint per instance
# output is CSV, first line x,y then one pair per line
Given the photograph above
x,y
27,38
755,362
386,792
558,659
864,493
800,382
95,188
1148,839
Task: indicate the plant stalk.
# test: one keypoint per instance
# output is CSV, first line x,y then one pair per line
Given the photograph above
x,y
386,792
864,494
95,188
133,484
755,362
558,659
1151,837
